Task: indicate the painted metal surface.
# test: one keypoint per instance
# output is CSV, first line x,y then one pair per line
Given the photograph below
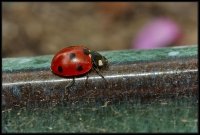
x,y
131,75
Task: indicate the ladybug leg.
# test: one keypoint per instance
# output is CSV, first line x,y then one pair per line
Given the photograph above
x,y
86,82
69,85
66,91
98,72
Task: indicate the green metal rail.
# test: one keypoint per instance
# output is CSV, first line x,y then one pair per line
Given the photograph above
x,y
131,75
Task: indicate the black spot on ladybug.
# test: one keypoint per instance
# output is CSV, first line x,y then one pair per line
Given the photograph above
x,y
72,56
86,51
60,69
79,68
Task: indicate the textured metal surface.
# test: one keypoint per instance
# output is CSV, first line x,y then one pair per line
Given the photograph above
x,y
131,75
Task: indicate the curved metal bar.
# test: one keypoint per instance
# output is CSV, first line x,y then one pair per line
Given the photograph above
x,y
166,77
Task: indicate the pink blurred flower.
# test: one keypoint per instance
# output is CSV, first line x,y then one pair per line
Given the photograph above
x,y
160,32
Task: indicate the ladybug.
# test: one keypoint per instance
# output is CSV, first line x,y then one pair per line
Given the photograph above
x,y
75,61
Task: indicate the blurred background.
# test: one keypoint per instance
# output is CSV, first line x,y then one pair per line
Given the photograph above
x,y
41,28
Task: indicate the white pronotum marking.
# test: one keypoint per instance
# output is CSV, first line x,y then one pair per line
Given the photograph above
x,y
100,63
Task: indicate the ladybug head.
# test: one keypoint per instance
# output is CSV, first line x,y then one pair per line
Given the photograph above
x,y
98,60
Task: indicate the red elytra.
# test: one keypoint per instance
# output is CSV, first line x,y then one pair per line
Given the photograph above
x,y
72,61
